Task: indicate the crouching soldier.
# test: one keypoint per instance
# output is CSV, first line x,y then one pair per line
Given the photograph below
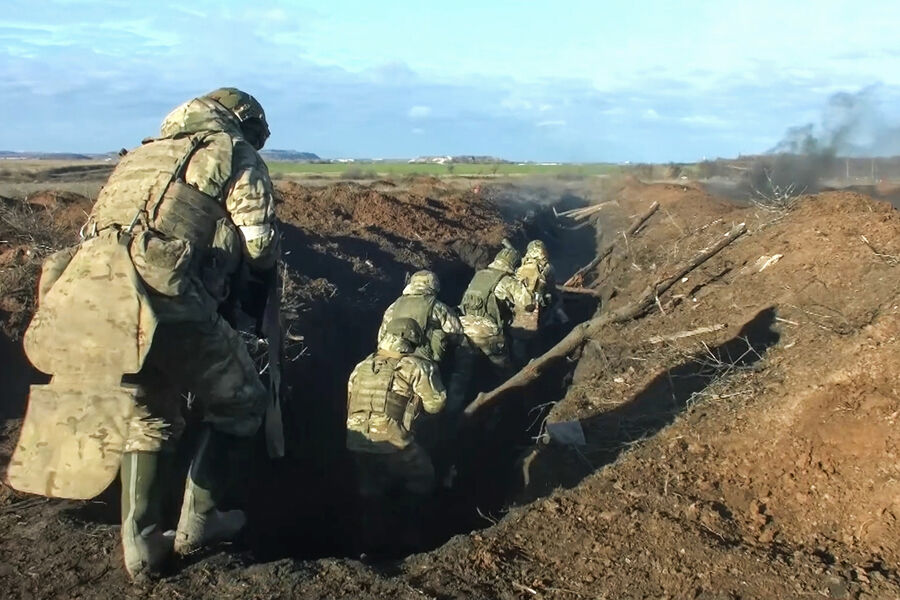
x,y
438,322
385,395
128,322
488,305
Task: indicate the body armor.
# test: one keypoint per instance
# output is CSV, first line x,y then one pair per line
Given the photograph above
x,y
479,299
176,224
373,393
419,308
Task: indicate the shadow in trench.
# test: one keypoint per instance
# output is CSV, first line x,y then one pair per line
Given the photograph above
x,y
656,406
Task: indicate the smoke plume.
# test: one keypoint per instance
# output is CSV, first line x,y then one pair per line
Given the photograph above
x,y
853,125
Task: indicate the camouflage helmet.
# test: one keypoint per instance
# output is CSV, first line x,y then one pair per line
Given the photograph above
x,y
507,257
425,279
406,329
248,111
536,248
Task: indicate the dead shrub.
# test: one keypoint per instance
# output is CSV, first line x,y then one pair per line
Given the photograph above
x,y
27,236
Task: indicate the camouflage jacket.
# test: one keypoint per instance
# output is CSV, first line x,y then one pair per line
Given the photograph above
x,y
413,380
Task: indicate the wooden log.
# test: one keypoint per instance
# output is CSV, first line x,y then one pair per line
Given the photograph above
x,y
588,329
583,213
578,277
580,291
659,339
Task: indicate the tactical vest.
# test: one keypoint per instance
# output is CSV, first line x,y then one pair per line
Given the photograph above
x,y
479,299
148,189
172,219
531,277
418,308
373,390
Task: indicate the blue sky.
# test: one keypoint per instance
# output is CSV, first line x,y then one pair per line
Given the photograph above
x,y
530,80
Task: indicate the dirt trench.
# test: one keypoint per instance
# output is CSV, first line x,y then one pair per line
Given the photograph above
x,y
304,506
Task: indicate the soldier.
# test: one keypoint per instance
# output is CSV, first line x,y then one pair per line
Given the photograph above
x,y
438,321
536,274
385,395
488,306
187,210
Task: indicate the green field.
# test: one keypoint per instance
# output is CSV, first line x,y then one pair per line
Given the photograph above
x,y
386,169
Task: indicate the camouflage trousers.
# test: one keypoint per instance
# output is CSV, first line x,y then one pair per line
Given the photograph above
x,y
409,468
207,359
466,359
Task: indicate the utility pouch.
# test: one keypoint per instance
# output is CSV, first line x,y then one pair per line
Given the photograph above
x,y
163,264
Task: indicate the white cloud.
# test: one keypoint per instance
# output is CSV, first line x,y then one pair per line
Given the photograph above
x,y
418,131
553,123
419,112
516,104
651,115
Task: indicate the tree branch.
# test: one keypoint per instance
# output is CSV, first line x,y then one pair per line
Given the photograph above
x,y
577,278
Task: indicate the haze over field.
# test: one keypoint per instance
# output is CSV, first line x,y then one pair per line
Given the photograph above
x,y
574,81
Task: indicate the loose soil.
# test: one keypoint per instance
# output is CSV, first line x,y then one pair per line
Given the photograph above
x,y
755,461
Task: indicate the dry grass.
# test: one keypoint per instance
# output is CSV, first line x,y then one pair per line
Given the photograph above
x,y
27,236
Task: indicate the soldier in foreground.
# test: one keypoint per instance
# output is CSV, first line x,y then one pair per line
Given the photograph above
x,y
176,222
494,295
385,395
439,322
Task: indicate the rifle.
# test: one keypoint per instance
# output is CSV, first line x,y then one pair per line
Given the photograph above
x,y
271,330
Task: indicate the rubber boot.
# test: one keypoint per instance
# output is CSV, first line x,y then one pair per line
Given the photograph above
x,y
146,547
201,523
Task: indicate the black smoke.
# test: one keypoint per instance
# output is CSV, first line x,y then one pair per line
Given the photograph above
x,y
852,125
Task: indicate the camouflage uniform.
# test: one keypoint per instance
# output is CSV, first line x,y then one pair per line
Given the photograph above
x,y
488,306
386,393
438,321
536,274
192,206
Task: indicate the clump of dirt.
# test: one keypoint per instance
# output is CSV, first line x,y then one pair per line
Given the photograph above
x,y
408,223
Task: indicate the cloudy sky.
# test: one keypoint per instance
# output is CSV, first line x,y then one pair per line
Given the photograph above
x,y
567,80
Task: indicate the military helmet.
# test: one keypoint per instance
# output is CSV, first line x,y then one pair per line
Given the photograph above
x,y
536,248
406,329
248,111
508,257
425,279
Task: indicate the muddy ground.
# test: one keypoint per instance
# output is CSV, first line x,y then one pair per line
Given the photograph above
x,y
757,460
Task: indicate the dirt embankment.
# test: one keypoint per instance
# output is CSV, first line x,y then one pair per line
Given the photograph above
x,y
762,456
756,460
